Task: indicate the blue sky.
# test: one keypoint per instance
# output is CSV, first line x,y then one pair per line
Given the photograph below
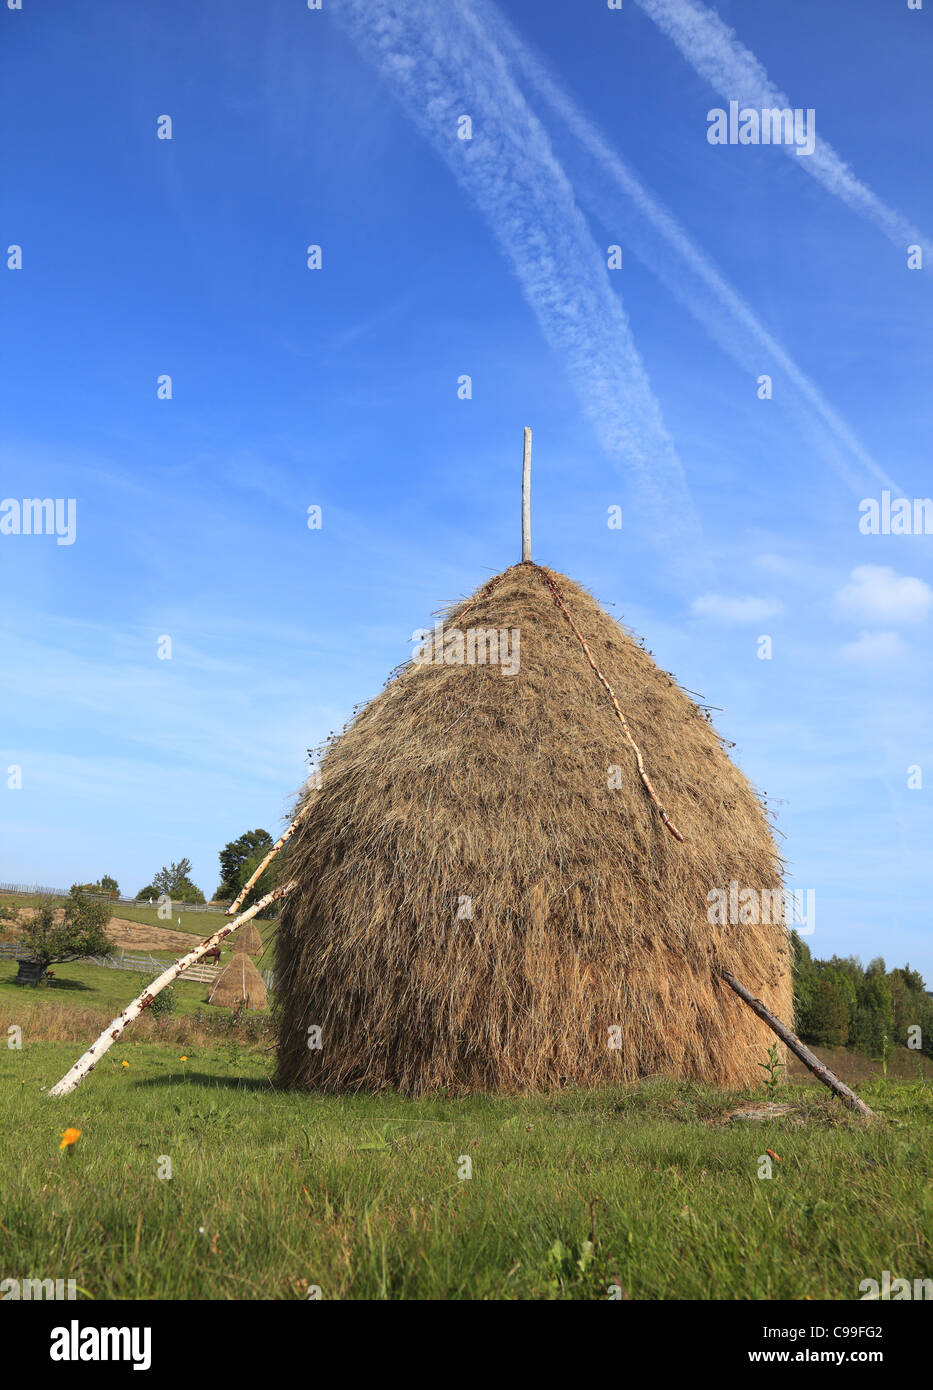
x,y
338,388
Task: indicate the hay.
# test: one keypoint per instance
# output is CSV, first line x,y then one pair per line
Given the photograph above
x,y
239,982
462,790
249,940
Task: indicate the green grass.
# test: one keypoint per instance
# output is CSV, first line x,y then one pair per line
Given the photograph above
x,y
199,924
93,986
360,1195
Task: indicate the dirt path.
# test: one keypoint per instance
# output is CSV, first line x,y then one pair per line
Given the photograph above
x,y
139,936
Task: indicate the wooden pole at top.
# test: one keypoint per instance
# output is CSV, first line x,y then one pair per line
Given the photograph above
x,y
526,498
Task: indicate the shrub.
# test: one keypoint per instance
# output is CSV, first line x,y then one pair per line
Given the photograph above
x,y
165,1003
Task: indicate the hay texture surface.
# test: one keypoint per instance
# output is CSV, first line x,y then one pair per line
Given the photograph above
x,y
478,908
238,982
248,939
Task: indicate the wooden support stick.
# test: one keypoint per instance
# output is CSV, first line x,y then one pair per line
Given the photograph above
x,y
809,1059
108,1037
287,835
526,498
646,780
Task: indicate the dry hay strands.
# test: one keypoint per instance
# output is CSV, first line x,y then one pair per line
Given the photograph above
x,y
463,784
646,780
239,983
249,940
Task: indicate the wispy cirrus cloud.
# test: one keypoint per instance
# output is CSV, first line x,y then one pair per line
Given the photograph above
x,y
691,276
714,50
441,63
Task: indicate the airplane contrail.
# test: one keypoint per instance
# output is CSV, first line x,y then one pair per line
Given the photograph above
x,y
650,228
442,66
714,50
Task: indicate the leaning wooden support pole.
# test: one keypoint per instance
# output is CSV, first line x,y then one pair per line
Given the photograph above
x,y
526,498
809,1059
645,779
283,838
112,1032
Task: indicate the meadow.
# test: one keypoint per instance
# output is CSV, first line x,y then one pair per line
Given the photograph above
x,y
652,1189
199,924
195,1178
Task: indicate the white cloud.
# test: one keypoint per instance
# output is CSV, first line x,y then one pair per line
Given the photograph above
x,y
723,609
875,646
875,593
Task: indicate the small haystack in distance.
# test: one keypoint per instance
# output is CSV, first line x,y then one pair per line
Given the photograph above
x,y
239,982
489,895
249,940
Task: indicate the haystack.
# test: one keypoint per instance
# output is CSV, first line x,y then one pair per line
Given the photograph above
x,y
489,898
238,982
249,940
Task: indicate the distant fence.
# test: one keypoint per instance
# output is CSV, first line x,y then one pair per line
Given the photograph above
x,y
37,890
147,965
34,888
177,905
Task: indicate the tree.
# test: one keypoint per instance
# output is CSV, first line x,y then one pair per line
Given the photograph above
x,y
106,884
267,880
251,847
805,979
81,932
172,876
173,880
829,1014
838,1002
874,1014
913,1007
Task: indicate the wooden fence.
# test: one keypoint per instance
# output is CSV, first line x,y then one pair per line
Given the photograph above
x,y
147,965
37,890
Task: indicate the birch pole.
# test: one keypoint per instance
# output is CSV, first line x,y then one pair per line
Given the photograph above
x,y
526,498
287,835
72,1079
809,1059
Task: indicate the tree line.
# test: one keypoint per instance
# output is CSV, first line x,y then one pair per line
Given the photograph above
x,y
841,1003
238,860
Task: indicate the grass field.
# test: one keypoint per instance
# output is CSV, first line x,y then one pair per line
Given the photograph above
x,y
92,986
651,1187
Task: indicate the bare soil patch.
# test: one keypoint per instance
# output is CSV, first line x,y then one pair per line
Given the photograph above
x,y
125,935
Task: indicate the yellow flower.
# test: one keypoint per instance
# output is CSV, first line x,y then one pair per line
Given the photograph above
x,y
124,1064
70,1136
184,1059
